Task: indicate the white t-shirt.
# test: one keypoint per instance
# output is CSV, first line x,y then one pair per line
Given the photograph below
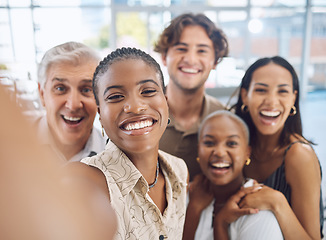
x,y
262,225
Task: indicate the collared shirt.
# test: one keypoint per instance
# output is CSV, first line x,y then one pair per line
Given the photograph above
x,y
183,143
138,216
94,144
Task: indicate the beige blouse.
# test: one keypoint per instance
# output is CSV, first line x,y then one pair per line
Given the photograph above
x,y
138,216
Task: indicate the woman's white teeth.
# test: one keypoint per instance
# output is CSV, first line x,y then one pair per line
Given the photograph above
x,y
138,125
221,165
189,70
71,118
270,113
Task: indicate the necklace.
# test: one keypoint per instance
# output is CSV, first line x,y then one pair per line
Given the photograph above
x,y
156,177
219,205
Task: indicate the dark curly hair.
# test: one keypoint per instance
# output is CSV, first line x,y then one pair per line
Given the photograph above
x,y
171,35
121,54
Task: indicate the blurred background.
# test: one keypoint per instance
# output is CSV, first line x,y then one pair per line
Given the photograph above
x,y
293,29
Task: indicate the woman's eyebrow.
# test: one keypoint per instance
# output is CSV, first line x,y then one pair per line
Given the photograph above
x,y
262,84
283,85
147,80
113,86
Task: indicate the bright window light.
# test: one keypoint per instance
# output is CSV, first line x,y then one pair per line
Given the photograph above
x,y
255,26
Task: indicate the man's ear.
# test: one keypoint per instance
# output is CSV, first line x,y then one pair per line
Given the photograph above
x,y
215,65
41,94
163,57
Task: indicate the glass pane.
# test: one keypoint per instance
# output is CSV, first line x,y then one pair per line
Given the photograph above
x,y
317,67
6,51
185,2
140,2
3,3
88,25
156,27
202,2
18,3
57,3
18,54
228,3
131,29
265,3
23,39
290,3
70,3
277,32
93,2
157,22
278,3
318,2
230,71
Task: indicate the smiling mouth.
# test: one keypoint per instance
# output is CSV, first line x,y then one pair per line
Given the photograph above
x,y
189,70
270,114
138,125
220,165
72,120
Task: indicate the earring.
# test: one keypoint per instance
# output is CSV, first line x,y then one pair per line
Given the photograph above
x,y
244,108
293,111
102,131
169,120
248,161
197,159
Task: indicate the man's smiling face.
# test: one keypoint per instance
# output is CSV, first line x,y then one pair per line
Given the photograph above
x,y
69,102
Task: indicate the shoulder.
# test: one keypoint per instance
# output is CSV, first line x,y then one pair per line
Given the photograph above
x,y
173,160
175,164
91,178
301,162
262,225
83,186
212,103
301,151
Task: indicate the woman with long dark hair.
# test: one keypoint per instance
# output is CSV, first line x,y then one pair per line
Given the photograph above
x,y
282,158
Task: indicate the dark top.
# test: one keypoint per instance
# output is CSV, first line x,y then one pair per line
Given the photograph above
x,y
278,182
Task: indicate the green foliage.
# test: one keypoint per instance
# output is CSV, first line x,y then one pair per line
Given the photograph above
x,y
3,66
102,40
131,24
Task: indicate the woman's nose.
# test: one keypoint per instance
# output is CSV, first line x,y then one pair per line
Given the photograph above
x,y
219,151
134,106
271,99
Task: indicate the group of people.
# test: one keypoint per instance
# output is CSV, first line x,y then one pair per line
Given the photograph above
x,y
173,162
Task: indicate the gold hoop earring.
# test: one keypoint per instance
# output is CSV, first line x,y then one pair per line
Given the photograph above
x,y
198,159
102,132
293,111
248,161
244,108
